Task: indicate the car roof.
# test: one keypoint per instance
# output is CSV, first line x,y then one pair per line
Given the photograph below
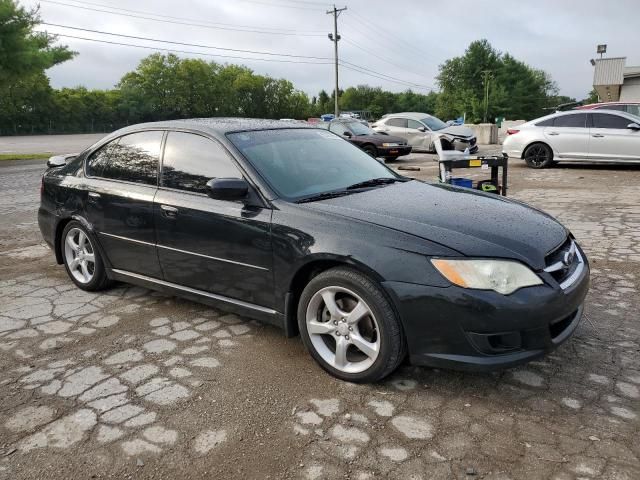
x,y
412,115
602,105
581,112
217,125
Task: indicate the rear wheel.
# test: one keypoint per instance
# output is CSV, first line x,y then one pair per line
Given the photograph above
x,y
370,150
82,261
349,327
538,155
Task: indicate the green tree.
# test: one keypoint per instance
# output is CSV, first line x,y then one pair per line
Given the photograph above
x,y
515,90
24,52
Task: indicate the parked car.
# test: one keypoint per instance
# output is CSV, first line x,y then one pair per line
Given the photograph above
x,y
576,135
421,129
372,142
629,107
295,226
327,117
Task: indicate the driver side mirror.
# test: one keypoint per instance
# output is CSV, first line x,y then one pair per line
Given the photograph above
x,y
347,134
227,188
422,129
633,126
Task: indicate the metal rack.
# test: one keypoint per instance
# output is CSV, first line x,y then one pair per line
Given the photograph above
x,y
493,162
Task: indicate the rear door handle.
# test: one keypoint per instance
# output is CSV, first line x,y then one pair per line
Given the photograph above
x,y
169,211
597,135
554,133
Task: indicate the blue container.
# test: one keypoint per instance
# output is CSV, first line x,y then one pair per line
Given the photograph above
x,y
461,182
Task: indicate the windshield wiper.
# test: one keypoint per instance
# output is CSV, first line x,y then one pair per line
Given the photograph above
x,y
373,182
323,196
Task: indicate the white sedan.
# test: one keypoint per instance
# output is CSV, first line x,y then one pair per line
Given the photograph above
x,y
577,135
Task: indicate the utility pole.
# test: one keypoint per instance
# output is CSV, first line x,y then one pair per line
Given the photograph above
x,y
334,37
487,76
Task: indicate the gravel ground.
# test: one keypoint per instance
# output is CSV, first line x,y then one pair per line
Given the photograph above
x,y
131,383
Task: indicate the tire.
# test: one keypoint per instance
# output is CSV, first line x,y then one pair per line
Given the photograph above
x,y
370,150
82,260
538,155
374,328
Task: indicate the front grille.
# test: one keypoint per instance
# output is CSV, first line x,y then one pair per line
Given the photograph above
x,y
563,262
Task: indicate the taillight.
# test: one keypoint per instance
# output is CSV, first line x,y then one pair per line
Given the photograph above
x,y
512,131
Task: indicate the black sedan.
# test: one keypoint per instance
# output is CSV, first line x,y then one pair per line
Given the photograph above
x,y
375,144
297,227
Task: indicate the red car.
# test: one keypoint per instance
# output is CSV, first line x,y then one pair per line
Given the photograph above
x,y
629,107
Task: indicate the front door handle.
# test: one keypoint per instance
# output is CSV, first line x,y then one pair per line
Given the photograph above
x,y
554,133
597,135
169,211
94,195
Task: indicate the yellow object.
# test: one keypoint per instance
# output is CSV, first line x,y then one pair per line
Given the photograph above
x,y
475,163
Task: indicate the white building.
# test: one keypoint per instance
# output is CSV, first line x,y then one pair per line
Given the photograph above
x,y
615,82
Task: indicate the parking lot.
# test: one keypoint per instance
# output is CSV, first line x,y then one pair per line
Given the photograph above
x,y
134,384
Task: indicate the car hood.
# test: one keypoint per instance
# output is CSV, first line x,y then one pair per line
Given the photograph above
x,y
458,131
380,138
473,223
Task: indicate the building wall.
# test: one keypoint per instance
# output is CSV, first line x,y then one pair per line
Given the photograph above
x,y
630,91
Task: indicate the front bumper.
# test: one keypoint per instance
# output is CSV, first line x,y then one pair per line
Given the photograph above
x,y
482,330
394,151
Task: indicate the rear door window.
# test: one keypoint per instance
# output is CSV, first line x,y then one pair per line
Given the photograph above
x,y
397,122
98,159
191,160
134,158
576,120
605,120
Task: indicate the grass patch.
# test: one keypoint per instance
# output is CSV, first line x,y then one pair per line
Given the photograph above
x,y
24,156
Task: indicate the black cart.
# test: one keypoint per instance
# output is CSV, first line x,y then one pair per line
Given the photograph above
x,y
493,162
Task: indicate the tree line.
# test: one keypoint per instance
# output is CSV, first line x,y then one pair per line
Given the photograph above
x,y
482,82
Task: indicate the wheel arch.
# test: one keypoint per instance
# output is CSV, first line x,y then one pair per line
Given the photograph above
x,y
371,145
303,275
542,142
62,223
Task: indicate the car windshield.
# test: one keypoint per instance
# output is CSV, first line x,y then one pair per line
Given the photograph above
x,y
359,128
434,123
300,163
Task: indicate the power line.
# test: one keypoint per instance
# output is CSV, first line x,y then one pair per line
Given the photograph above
x,y
177,22
381,58
378,28
172,50
319,5
375,74
188,19
134,37
385,75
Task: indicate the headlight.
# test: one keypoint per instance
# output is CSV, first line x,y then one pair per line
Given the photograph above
x,y
390,144
502,276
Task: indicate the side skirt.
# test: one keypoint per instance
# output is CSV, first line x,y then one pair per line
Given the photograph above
x,y
239,307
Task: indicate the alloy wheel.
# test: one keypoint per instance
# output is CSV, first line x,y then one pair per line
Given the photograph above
x,y
79,255
343,329
537,155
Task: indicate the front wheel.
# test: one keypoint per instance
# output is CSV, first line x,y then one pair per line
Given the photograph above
x,y
370,150
349,326
82,260
538,155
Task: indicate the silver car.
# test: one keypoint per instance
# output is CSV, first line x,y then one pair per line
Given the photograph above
x,y
577,135
421,129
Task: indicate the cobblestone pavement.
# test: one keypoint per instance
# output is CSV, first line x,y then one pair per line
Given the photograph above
x,y
131,383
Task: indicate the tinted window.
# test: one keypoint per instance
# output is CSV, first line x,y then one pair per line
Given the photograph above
x,y
338,127
134,158
397,122
98,159
575,120
190,161
633,109
604,120
305,161
414,124
546,123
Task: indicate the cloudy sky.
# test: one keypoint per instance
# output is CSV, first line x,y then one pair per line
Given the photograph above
x,y
402,39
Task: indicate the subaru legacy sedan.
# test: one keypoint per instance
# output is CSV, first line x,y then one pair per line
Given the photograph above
x,y
297,227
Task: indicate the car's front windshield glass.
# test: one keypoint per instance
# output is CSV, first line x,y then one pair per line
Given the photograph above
x,y
300,163
434,123
359,128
